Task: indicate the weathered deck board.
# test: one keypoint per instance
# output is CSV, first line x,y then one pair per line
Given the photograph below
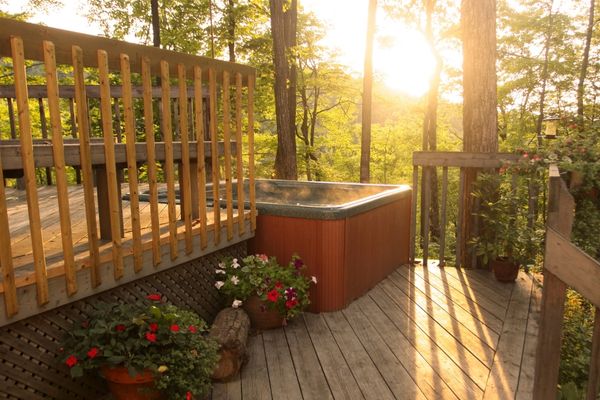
x,y
400,341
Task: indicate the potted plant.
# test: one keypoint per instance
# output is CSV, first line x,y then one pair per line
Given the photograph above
x,y
145,350
269,292
507,239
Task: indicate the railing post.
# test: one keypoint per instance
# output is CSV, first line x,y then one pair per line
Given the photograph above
x,y
560,218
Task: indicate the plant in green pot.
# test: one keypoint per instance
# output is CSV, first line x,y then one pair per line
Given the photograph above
x,y
508,238
270,293
147,349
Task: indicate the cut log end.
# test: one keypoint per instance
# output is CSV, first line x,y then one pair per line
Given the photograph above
x,y
230,330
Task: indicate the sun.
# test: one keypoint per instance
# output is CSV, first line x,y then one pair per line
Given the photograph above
x,y
403,60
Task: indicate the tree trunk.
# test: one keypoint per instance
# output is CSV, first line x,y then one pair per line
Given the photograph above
x,y
365,143
540,119
285,159
290,27
478,24
155,23
584,67
231,29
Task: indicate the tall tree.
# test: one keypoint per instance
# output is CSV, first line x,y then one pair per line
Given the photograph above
x,y
584,65
365,143
155,23
285,159
480,133
547,45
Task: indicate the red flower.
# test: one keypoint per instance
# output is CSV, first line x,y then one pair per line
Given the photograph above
x,y
192,329
85,324
151,337
174,328
153,327
93,352
291,303
278,285
273,295
71,361
154,297
120,328
188,396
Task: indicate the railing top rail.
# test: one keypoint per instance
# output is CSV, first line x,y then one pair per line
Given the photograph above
x,y
462,159
33,35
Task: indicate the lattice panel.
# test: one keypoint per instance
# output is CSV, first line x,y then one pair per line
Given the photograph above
x,y
29,368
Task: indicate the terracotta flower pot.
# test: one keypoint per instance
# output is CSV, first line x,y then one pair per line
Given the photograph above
x,y
504,270
261,316
126,387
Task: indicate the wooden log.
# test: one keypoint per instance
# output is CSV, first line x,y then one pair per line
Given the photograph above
x,y
59,167
151,163
112,182
251,186
212,82
86,164
200,163
132,172
167,130
227,147
185,188
230,330
35,224
240,161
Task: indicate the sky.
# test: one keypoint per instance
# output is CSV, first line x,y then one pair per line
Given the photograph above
x,y
404,64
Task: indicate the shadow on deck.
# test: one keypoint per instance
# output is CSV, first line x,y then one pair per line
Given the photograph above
x,y
422,333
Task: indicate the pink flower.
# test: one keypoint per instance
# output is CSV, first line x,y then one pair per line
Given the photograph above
x,y
120,328
151,337
174,328
192,329
71,361
273,295
262,257
153,327
93,352
154,297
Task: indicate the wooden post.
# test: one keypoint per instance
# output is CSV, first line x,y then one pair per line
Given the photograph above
x,y
201,173
151,159
560,218
86,164
59,166
35,224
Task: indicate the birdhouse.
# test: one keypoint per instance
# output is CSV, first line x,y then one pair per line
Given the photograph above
x,y
551,127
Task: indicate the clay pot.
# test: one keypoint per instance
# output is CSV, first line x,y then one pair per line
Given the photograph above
x,y
126,387
262,317
504,270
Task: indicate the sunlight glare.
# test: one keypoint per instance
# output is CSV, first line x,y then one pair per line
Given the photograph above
x,y
403,60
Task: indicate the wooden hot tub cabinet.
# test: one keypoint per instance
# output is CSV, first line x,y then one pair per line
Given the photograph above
x,y
349,248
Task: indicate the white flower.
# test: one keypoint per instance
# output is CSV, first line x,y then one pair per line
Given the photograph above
x,y
313,279
220,271
219,284
235,280
221,265
235,264
236,303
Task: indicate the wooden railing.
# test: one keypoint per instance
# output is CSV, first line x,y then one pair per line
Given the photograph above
x,y
425,164
564,266
129,115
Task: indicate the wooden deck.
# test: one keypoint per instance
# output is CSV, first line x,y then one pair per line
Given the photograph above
x,y
422,333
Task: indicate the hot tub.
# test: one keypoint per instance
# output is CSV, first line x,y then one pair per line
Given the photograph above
x,y
351,236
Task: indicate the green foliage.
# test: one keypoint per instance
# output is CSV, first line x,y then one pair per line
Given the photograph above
x,y
281,288
145,335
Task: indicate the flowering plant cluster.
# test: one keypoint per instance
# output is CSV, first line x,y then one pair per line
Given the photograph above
x,y
146,335
281,287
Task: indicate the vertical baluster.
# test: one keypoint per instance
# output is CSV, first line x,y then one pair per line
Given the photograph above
x,y
44,127
239,153
214,140
11,304
74,136
444,216
251,185
83,124
169,167
151,159
459,219
427,171
413,217
201,170
59,167
11,118
185,188
594,375
227,153
132,172
35,224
